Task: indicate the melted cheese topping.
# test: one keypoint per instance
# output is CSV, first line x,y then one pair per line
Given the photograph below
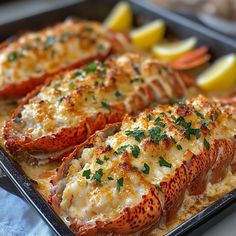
x,y
75,95
47,51
144,151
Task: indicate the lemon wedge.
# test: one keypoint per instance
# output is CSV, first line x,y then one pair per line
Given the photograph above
x,y
221,75
120,18
172,51
148,35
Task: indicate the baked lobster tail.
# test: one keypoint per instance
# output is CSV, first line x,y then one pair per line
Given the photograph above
x,y
29,60
135,174
73,105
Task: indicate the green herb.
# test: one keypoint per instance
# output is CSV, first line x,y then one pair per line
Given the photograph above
x,y
206,144
106,105
100,162
92,67
199,114
173,118
118,94
135,168
163,162
106,158
159,122
119,184
173,140
110,178
145,169
121,149
86,173
98,176
137,134
135,150
149,117
77,73
13,56
155,134
179,147
56,85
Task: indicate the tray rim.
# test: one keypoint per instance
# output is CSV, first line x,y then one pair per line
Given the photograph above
x,y
31,195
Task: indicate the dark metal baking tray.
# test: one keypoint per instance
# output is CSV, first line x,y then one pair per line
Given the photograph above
x,y
96,10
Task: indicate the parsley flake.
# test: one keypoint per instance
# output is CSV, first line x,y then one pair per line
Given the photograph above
x,y
159,122
135,150
179,147
163,162
106,105
121,149
145,169
118,94
206,144
199,114
106,158
13,56
98,161
98,176
137,134
110,178
119,184
149,117
92,67
86,173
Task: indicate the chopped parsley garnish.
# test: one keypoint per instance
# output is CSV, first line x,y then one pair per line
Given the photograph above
x,y
135,168
149,117
135,150
99,161
137,134
199,114
110,178
86,173
102,74
187,126
106,105
179,147
98,176
119,184
173,140
206,144
159,122
145,169
118,94
56,85
77,73
106,158
155,134
92,67
163,162
13,56
121,149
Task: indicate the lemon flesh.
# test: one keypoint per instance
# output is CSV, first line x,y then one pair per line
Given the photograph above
x,y
148,35
221,75
172,51
120,18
